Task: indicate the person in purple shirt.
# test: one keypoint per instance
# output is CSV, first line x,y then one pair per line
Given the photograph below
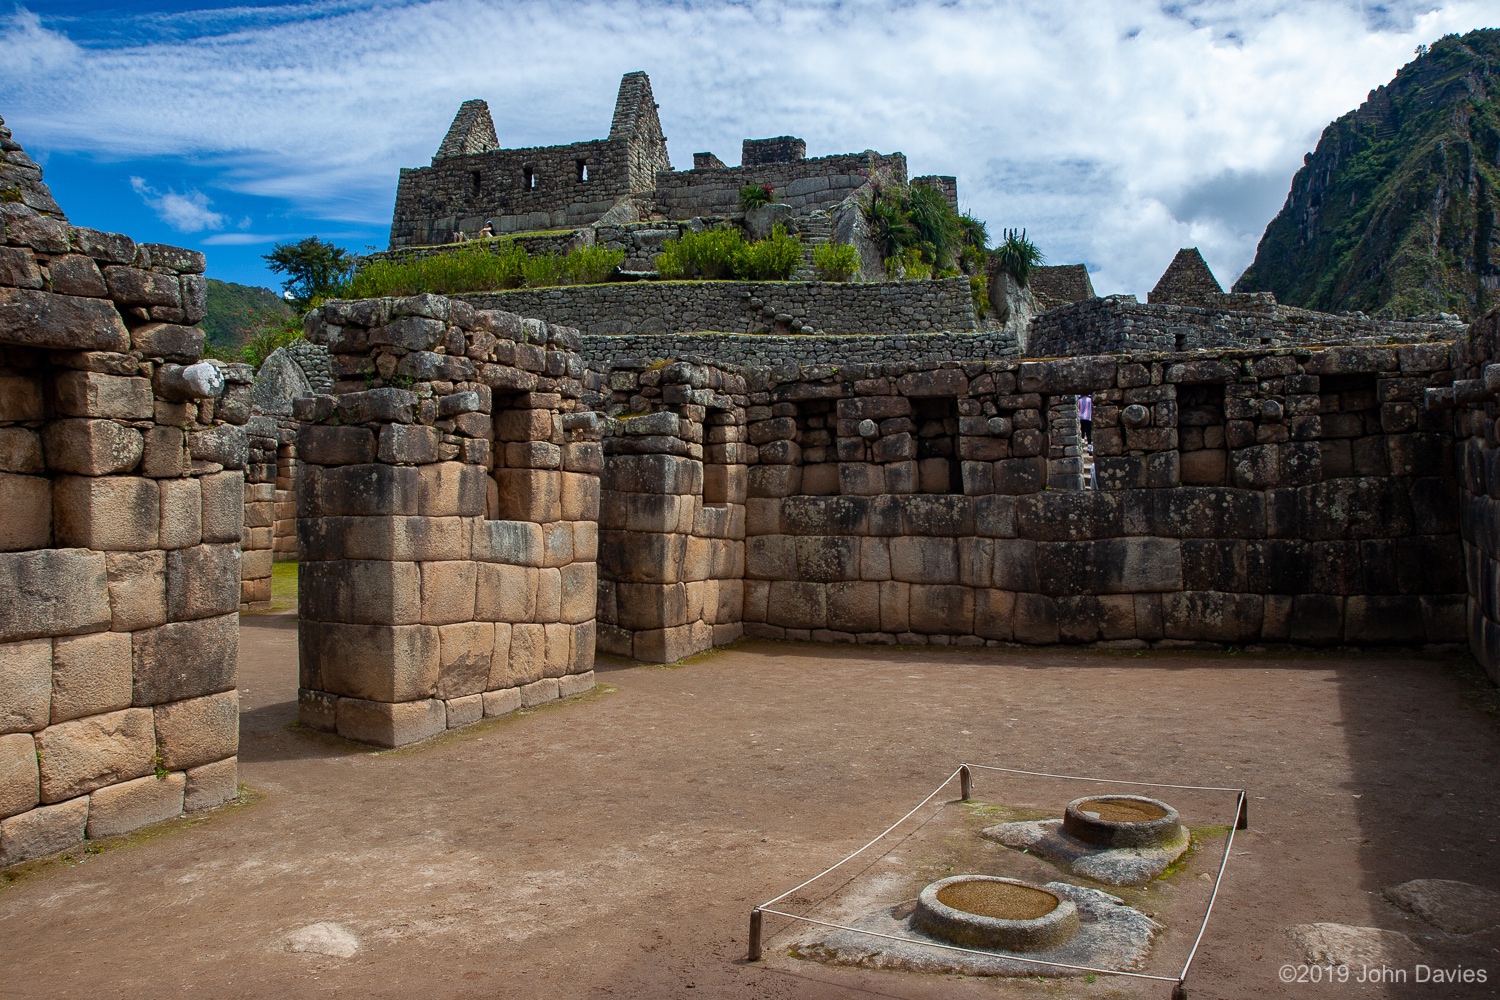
x,y
1086,417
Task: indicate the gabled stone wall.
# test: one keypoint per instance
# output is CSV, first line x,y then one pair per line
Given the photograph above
x,y
447,502
121,487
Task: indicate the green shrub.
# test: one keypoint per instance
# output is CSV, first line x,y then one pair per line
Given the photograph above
x,y
908,265
836,261
474,267
1017,255
979,288
771,259
756,195
543,270
712,254
277,332
592,265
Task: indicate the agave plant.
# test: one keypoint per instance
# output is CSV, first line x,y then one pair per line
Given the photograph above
x,y
1016,256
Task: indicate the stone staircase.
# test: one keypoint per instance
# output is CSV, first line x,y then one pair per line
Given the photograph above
x,y
814,229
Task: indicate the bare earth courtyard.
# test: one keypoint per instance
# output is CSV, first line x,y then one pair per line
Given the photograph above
x,y
612,845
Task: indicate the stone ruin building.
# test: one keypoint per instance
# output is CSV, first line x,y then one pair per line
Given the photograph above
x,y
486,490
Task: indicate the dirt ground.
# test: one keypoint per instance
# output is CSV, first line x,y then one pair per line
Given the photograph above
x,y
612,846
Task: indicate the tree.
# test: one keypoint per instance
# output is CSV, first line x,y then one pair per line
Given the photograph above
x,y
314,269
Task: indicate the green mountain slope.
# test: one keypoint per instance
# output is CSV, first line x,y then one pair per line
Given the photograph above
x,y
237,311
1394,212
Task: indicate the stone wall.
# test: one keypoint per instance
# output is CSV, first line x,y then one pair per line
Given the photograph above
x,y
1120,324
1244,497
672,515
806,184
805,349
893,308
1474,394
447,504
122,491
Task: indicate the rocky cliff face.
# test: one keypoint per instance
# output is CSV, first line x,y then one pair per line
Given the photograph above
x,y
1394,212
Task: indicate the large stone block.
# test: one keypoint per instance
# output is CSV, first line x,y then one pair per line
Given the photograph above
x,y
52,592
1384,620
895,607
924,560
579,587
198,731
90,675
203,581
31,318
451,489
506,593
91,447
825,558
668,645
1087,618
21,450
387,663
108,513
25,685
548,595
185,659
181,513
942,610
137,589
642,557
223,496
527,660
328,445
79,756
95,394
465,652
172,341
357,490
529,495
994,614
854,607
133,804
1212,616
558,657
447,592
43,832
27,502
793,604
1036,619
211,785
366,592
19,787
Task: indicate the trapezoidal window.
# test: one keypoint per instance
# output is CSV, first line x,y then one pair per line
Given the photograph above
x,y
1349,432
474,181
938,467
583,171
1202,459
528,178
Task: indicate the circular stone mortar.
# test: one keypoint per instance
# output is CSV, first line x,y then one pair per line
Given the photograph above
x,y
987,911
1122,821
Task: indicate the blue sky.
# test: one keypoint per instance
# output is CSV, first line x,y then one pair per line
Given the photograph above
x,y
1114,132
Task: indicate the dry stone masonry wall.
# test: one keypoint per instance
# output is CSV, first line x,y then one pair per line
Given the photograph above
x,y
1120,324
447,500
122,485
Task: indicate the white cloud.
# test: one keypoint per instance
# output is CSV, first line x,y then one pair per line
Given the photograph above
x,y
186,213
1115,132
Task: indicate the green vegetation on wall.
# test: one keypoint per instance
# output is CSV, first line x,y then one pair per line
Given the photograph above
x,y
1394,213
921,236
481,266
722,253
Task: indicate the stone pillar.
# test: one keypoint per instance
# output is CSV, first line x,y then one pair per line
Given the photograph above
x,y
121,490
447,520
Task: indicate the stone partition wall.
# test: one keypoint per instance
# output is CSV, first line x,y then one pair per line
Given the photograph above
x,y
672,514
447,504
759,350
1118,323
121,490
1474,394
650,308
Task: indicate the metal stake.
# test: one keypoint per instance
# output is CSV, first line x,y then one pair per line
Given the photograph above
x,y
753,953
